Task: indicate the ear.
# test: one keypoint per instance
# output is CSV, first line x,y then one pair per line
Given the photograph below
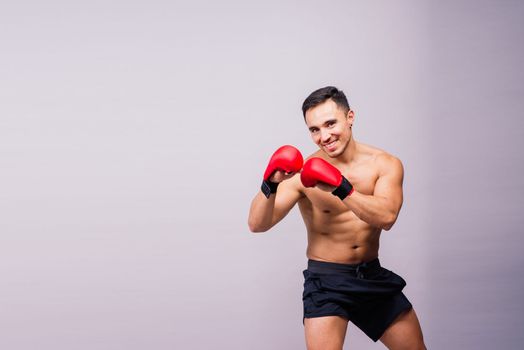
x,y
350,116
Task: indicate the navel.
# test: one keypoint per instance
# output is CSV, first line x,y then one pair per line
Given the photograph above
x,y
355,247
325,211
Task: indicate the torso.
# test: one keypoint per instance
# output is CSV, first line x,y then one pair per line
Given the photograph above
x,y
335,233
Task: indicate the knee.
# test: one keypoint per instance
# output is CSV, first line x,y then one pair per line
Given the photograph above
x,y
323,345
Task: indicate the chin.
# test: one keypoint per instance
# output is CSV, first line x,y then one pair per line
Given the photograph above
x,y
332,154
335,153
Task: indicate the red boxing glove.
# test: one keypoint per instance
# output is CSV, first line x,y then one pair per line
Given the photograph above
x,y
318,170
286,158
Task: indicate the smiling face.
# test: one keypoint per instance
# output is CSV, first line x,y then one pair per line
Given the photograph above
x,y
330,127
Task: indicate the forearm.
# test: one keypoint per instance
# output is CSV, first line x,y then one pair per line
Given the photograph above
x,y
261,213
374,210
284,163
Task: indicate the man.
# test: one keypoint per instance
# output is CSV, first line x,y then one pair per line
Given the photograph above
x,y
347,193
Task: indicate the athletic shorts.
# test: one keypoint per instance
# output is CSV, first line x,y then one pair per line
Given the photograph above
x,y
366,294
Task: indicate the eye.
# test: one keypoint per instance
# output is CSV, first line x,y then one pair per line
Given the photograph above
x,y
331,123
313,131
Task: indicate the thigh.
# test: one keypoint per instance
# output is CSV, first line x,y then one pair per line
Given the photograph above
x,y
326,333
404,332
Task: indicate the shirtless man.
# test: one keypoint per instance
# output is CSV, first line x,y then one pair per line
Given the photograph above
x,y
347,193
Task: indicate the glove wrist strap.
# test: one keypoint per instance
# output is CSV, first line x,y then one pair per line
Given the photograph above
x,y
268,187
344,190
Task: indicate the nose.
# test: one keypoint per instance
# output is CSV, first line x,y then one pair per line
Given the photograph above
x,y
324,135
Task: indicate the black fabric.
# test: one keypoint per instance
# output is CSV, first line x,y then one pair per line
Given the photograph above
x,y
269,187
366,294
344,189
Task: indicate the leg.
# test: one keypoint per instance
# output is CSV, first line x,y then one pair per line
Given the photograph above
x,y
325,333
404,333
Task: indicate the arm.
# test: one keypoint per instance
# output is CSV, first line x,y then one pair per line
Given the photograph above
x,y
279,192
267,212
380,209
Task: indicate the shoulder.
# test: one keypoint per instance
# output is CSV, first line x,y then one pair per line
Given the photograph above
x,y
385,162
388,164
316,154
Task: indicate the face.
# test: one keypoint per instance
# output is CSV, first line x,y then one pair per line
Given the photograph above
x,y
330,127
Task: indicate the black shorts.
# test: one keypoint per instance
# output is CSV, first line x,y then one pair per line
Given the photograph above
x,y
366,294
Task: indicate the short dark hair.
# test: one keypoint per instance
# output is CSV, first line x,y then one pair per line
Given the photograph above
x,y
320,96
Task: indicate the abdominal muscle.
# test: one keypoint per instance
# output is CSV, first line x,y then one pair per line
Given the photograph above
x,y
336,234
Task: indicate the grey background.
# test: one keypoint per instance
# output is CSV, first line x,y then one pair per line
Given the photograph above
x,y
133,136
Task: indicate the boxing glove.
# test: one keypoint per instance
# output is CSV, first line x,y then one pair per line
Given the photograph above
x,y
318,170
286,158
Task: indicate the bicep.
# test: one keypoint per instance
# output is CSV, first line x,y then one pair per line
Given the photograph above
x,y
389,184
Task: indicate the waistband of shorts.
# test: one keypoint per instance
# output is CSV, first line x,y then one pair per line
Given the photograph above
x,y
331,267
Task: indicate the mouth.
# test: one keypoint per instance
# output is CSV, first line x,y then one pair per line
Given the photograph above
x,y
330,146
